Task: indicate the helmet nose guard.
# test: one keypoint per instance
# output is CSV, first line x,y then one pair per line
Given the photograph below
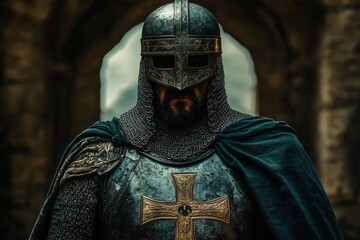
x,y
180,44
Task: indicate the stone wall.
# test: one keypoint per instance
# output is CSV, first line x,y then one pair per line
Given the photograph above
x,y
25,119
339,112
306,56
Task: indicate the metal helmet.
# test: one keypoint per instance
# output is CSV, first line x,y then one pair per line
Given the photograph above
x,y
180,44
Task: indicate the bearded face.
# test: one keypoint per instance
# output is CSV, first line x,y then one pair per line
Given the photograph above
x,y
181,109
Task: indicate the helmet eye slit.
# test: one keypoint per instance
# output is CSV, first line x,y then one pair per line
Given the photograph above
x,y
194,61
198,61
163,62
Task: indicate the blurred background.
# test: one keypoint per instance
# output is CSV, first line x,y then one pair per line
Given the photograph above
x,y
63,66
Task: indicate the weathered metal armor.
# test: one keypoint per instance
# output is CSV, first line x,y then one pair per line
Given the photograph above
x,y
180,44
176,187
149,198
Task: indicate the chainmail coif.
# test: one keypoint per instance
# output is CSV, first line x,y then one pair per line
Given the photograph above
x,y
148,133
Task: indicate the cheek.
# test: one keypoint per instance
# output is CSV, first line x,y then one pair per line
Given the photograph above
x,y
200,93
161,94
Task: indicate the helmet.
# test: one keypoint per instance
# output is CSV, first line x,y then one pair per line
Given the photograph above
x,y
180,45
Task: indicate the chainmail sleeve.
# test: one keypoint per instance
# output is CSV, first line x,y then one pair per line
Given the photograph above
x,y
74,211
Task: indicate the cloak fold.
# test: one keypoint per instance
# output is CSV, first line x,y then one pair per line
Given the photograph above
x,y
281,178
263,153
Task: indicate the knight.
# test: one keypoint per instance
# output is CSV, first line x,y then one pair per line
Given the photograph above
x,y
182,164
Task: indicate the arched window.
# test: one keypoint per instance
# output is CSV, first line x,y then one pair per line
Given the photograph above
x,y
120,69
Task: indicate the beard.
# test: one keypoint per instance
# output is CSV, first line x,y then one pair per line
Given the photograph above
x,y
180,113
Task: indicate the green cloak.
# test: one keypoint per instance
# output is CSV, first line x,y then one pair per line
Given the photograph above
x,y
267,156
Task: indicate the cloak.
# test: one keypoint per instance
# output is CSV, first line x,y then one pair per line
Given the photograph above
x,y
263,153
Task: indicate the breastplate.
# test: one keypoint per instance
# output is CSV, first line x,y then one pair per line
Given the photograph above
x,y
147,199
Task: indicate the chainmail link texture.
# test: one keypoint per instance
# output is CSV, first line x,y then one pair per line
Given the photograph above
x,y
73,214
138,122
147,132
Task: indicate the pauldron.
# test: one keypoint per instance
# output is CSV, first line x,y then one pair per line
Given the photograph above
x,y
98,157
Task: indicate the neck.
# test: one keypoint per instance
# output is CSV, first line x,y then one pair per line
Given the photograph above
x,y
179,144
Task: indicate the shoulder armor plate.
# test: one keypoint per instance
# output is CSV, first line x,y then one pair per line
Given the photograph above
x,y
99,157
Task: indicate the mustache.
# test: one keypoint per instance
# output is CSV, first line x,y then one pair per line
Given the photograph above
x,y
177,94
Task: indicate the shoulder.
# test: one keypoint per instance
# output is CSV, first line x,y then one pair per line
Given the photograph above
x,y
260,136
92,155
267,141
95,150
257,127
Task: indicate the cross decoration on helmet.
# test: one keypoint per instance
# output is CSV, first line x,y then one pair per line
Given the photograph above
x,y
180,44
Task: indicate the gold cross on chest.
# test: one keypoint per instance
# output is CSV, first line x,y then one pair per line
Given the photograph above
x,y
184,210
